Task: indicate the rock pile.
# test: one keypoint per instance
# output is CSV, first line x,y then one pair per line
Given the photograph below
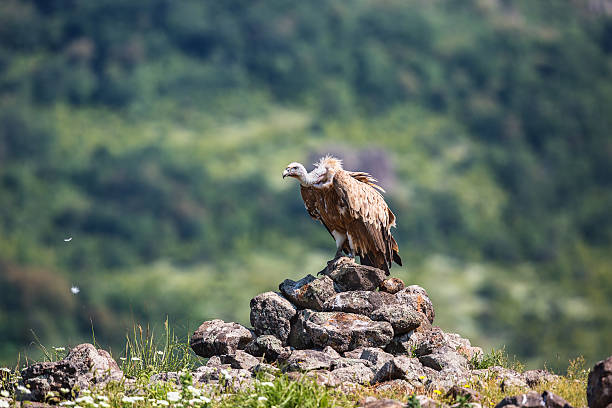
x,y
351,326
84,366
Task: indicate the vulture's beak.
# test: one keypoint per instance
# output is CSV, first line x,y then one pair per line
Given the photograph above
x,y
285,173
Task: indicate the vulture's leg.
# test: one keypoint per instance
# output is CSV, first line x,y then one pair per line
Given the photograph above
x,y
340,240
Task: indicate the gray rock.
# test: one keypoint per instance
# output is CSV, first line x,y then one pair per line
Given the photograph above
x,y
426,402
534,378
344,362
94,366
445,358
347,275
395,387
359,301
392,285
403,318
309,292
507,377
343,331
85,366
371,402
266,371
599,384
416,297
169,377
402,344
461,345
421,342
306,360
554,401
239,359
321,377
444,380
298,337
401,367
534,400
467,394
271,314
41,378
332,353
214,361
357,373
216,337
224,373
268,347
375,356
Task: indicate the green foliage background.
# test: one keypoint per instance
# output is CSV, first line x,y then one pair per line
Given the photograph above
x,y
154,133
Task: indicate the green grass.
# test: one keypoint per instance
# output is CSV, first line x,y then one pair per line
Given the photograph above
x,y
145,355
496,357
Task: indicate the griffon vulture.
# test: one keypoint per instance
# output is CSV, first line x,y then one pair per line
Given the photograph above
x,y
352,209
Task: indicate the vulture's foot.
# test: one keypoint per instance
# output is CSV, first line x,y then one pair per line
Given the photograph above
x,y
335,263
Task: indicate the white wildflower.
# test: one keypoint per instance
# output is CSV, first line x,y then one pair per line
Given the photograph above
x,y
68,239
129,400
173,396
4,404
6,370
262,398
75,290
163,402
87,399
67,403
5,393
160,352
64,390
194,391
267,384
104,404
58,349
23,389
135,358
195,401
122,358
226,375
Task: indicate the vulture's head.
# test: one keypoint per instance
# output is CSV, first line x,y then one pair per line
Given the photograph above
x,y
296,170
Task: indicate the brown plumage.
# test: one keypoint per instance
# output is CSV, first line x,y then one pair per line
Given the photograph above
x,y
352,209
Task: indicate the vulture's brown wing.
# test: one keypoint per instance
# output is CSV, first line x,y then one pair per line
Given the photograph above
x,y
366,178
311,197
368,220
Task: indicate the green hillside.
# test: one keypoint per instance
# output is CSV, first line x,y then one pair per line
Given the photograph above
x,y
154,134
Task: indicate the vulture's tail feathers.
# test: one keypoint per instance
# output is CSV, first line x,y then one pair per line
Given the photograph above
x,y
397,258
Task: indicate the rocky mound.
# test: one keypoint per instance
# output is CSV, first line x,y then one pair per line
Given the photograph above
x,y
351,326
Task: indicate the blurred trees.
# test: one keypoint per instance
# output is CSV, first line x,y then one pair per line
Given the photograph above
x,y
496,116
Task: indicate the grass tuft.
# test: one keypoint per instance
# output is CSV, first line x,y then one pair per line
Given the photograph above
x,y
145,355
495,358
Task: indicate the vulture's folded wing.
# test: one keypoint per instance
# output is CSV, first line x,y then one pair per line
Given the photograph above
x,y
370,220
